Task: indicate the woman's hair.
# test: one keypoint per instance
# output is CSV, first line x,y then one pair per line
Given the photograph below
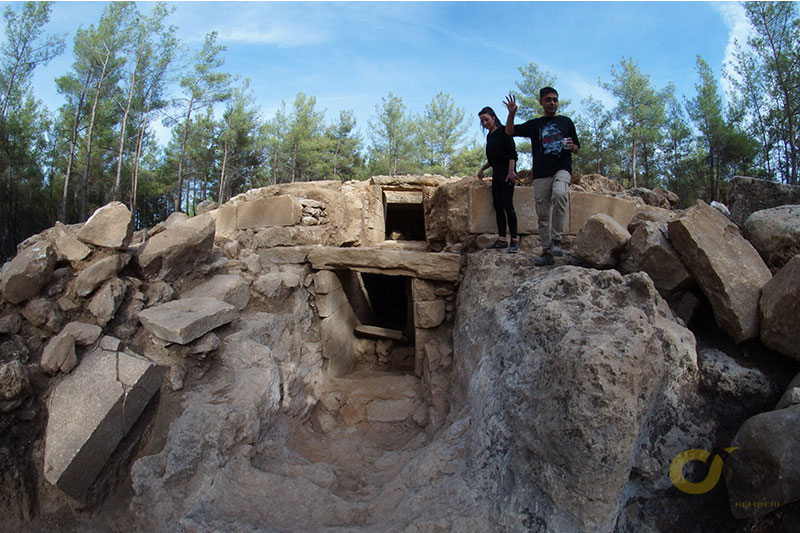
x,y
489,111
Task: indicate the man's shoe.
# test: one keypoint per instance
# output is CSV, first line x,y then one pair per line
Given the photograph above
x,y
545,259
513,248
555,249
498,245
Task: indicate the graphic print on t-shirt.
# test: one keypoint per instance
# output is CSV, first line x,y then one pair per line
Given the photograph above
x,y
552,139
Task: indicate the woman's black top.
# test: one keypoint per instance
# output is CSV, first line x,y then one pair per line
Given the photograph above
x,y
500,148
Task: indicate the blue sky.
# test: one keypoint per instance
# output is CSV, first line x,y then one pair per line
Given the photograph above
x,y
349,55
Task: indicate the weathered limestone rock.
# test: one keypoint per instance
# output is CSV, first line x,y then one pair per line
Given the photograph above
x,y
283,210
159,292
600,241
748,195
106,301
429,314
726,267
775,233
111,226
650,197
182,321
83,333
229,288
371,395
728,380
583,205
10,324
14,381
592,370
391,410
791,395
764,473
437,266
175,251
98,272
90,412
68,247
59,354
244,401
780,310
25,275
649,250
447,213
648,213
42,311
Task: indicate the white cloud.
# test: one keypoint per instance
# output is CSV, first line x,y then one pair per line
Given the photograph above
x,y
735,19
580,88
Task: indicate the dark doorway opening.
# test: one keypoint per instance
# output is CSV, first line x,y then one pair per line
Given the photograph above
x,y
405,222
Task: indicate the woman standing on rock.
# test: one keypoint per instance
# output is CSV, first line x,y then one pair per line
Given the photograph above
x,y
502,155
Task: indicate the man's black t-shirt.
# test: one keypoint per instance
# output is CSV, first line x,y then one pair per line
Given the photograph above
x,y
547,134
500,149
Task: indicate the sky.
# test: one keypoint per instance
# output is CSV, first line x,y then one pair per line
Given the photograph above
x,y
350,55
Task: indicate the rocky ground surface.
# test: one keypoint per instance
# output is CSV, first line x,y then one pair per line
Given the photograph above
x,y
533,399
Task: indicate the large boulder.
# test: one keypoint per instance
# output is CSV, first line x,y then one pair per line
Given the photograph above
x,y
67,246
91,411
574,380
111,226
748,195
178,249
725,265
25,275
600,241
99,272
763,474
649,250
780,310
775,233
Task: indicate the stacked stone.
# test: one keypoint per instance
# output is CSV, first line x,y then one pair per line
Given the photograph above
x,y
313,212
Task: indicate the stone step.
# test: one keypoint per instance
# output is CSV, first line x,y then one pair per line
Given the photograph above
x,y
376,332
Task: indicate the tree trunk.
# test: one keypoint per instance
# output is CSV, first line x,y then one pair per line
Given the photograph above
x,y
220,198
72,145
183,151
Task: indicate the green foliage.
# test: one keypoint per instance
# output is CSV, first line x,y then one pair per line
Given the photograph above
x,y
441,130
527,93
393,146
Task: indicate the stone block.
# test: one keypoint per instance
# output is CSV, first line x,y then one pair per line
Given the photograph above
x,y
726,267
337,341
68,247
98,272
437,266
182,321
90,412
224,218
600,241
583,205
326,281
59,354
25,275
429,314
284,255
283,210
403,197
376,332
178,249
330,302
780,310
229,288
481,209
110,226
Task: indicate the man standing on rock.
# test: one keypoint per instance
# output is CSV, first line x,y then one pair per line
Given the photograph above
x,y
553,141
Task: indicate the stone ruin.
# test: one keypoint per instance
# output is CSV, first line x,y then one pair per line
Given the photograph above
x,y
351,347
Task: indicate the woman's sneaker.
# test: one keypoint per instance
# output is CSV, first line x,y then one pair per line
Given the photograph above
x,y
555,249
514,247
498,245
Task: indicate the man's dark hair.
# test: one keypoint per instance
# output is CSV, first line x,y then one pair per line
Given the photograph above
x,y
546,90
